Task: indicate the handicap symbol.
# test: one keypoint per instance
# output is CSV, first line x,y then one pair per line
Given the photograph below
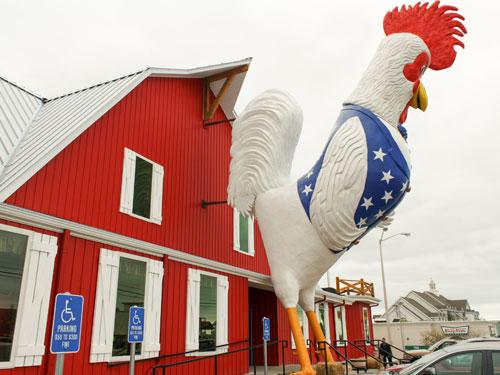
x,y
136,319
67,314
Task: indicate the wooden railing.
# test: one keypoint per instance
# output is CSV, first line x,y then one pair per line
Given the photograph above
x,y
357,287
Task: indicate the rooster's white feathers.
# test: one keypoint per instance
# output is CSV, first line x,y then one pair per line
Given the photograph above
x,y
264,139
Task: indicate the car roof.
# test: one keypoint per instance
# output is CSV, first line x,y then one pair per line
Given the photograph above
x,y
483,339
473,345
461,347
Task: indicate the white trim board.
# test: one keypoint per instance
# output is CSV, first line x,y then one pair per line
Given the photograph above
x,y
58,225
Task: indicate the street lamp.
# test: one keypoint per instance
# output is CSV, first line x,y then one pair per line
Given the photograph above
x,y
382,239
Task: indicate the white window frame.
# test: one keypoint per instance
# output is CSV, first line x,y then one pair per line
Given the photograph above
x,y
368,320
28,344
193,308
326,306
344,325
152,310
236,236
127,191
305,329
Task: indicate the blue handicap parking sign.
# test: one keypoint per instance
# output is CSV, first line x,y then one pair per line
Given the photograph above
x,y
266,326
67,324
136,324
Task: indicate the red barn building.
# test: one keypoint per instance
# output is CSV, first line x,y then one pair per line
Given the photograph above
x,y
115,192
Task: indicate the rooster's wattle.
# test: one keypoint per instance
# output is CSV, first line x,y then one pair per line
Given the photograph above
x,y
362,173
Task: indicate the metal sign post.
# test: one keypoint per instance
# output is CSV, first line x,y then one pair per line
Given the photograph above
x,y
135,332
66,327
266,336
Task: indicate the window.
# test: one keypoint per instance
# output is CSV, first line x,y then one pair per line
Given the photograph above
x,y
143,184
495,356
207,312
340,325
26,269
125,280
304,326
366,326
12,253
243,233
130,292
323,318
142,188
459,364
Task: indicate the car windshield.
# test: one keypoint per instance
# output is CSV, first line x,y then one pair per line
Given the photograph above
x,y
422,362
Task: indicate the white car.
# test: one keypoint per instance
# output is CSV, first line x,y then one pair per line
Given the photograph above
x,y
475,357
415,354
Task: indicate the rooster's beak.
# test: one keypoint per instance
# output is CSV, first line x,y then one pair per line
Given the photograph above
x,y
419,99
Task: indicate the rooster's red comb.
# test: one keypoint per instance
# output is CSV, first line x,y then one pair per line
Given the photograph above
x,y
434,25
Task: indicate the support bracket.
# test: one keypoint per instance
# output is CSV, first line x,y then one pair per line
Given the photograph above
x,y
205,204
229,76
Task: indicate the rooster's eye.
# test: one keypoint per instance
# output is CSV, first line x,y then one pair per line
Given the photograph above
x,y
422,71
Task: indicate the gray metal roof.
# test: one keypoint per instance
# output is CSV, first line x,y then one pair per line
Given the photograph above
x,y
17,109
39,129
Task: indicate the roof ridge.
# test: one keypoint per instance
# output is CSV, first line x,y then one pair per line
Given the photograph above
x,y
23,89
96,85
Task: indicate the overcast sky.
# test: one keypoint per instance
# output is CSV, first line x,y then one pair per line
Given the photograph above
x,y
316,50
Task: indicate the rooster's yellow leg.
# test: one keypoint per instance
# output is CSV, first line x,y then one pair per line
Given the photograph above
x,y
300,345
318,334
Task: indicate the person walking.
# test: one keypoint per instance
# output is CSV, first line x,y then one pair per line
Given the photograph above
x,y
386,352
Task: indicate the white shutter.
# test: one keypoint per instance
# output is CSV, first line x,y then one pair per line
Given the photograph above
x,y
128,177
236,229
105,306
157,194
222,312
152,309
251,249
344,323
34,303
327,322
193,310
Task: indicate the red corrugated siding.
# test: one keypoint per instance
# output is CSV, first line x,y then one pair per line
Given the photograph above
x,y
173,331
162,120
42,369
355,330
80,258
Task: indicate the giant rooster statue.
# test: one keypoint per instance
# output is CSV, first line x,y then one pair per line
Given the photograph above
x,y
362,174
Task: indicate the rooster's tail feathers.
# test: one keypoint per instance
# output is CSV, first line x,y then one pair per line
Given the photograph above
x,y
264,139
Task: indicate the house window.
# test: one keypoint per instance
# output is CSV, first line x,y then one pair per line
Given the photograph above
x,y
143,184
243,233
142,188
12,253
125,280
324,321
304,326
366,325
207,313
130,292
340,325
26,269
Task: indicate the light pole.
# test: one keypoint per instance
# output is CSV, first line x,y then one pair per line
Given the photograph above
x,y
382,239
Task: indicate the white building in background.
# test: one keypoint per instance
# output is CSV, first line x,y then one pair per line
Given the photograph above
x,y
429,306
409,335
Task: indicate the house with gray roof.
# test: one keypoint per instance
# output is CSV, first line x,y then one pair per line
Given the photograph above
x,y
429,305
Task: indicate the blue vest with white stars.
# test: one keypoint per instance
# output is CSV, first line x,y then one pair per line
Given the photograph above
x,y
388,172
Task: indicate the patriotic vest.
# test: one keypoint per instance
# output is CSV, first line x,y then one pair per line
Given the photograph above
x,y
388,174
